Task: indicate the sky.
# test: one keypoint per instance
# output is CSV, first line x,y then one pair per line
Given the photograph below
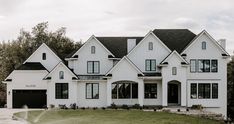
x,y
84,18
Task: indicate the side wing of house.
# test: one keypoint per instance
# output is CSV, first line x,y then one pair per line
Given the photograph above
x,y
45,56
207,75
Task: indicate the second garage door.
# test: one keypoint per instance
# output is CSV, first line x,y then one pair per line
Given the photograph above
x,y
31,98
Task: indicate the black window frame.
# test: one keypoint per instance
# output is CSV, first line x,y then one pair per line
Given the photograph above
x,y
151,68
150,46
204,70
193,90
59,89
93,67
133,94
93,49
212,66
92,95
202,91
204,45
148,92
43,56
215,92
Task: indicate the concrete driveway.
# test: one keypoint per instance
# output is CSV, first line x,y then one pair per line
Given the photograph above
x,y
6,116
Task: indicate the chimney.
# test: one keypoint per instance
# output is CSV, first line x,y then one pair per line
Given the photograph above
x,y
131,43
222,42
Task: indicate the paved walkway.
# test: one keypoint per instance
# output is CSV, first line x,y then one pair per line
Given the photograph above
x,y
6,116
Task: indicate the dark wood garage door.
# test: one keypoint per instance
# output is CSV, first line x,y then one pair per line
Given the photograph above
x,y
31,98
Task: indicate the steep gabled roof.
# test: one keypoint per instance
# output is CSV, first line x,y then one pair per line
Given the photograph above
x,y
31,66
117,45
175,39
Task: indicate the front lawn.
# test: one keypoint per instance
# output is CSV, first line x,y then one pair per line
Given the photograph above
x,y
99,116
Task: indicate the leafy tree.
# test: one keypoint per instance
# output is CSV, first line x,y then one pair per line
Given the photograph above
x,y
14,53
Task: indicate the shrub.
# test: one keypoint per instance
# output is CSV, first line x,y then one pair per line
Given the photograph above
x,y
52,106
73,106
94,108
198,107
113,106
136,106
103,108
83,108
63,106
124,106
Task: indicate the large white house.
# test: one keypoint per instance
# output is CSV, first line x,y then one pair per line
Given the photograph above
x,y
166,67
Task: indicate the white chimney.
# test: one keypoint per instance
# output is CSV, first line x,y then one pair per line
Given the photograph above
x,y
131,44
222,42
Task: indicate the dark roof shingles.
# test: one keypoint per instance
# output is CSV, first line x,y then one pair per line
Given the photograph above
x,y
31,66
175,39
117,45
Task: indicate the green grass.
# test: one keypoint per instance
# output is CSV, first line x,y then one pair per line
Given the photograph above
x,y
110,117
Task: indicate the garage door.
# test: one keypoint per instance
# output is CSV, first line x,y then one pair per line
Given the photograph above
x,y
31,98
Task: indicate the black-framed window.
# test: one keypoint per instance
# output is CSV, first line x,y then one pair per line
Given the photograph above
x,y
61,90
150,47
214,65
203,65
92,91
93,67
204,91
43,56
203,45
193,91
93,49
174,71
214,90
151,91
193,65
61,75
150,64
124,90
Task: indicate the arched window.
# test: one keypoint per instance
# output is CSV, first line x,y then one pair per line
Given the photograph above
x,y
43,56
150,46
203,45
61,75
93,50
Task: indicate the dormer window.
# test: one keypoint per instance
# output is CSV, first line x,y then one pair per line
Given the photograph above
x,y
92,49
43,56
61,75
150,47
203,45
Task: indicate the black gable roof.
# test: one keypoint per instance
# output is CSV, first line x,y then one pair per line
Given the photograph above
x,y
31,66
175,39
117,45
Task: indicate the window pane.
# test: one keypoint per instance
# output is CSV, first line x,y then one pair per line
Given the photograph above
x,y
88,91
206,65
92,49
120,90
153,65
61,75
58,90
150,46
192,65
127,90
203,45
114,90
147,65
43,56
215,91
90,67
150,90
200,66
65,91
203,91
96,67
134,90
193,91
174,70
95,91
214,65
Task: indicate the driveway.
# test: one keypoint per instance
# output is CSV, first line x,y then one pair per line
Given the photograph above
x,y
6,116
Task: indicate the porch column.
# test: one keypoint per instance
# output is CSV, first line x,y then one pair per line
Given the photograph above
x,y
108,94
164,93
141,92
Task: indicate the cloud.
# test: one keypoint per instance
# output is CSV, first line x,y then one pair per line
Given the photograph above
x,y
185,22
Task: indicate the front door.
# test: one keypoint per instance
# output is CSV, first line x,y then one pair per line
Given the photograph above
x,y
172,93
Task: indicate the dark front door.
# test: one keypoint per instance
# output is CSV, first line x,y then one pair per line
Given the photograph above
x,y
172,93
31,98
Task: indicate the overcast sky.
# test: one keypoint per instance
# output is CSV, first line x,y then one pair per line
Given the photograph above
x,y
82,18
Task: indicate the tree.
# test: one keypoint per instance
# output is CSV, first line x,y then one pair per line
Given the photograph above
x,y
14,53
230,88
